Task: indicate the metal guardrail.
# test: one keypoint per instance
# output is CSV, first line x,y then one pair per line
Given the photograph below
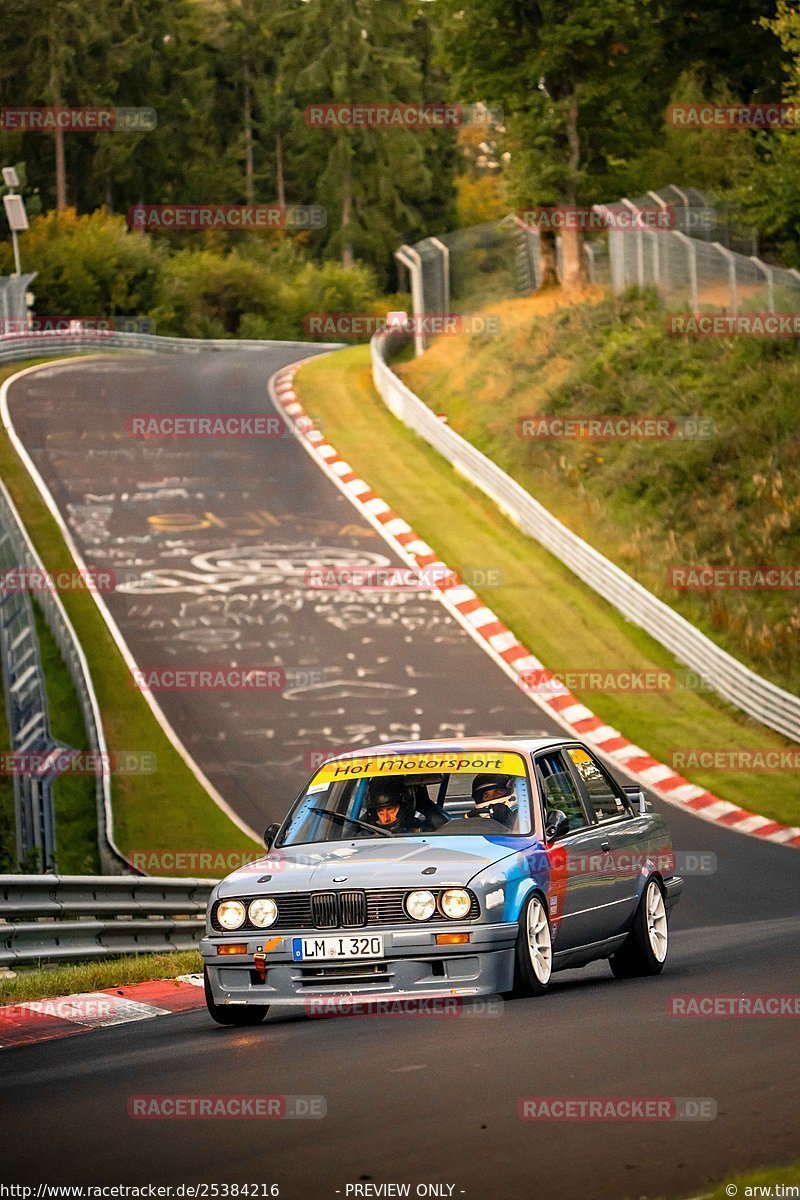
x,y
77,917
31,702
37,345
731,679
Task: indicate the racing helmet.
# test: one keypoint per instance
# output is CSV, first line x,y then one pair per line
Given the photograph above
x,y
484,785
495,798
384,796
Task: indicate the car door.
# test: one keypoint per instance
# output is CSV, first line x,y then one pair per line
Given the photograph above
x,y
619,828
581,899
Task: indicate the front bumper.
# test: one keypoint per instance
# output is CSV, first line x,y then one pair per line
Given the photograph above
x,y
412,966
673,886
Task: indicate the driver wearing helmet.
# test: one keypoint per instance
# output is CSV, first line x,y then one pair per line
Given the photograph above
x,y
390,807
495,798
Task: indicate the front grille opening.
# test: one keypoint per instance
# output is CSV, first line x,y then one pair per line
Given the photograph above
x,y
324,910
344,970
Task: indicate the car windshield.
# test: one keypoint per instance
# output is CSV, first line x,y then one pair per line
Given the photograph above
x,y
403,795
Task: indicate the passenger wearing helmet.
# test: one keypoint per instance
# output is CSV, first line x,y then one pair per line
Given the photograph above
x,y
495,798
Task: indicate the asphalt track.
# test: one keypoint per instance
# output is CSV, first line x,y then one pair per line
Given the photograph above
x,y
409,1100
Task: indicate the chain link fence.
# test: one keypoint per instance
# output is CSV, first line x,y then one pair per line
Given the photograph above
x,y
693,252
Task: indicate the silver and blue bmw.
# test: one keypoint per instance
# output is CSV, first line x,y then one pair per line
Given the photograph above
x,y
442,869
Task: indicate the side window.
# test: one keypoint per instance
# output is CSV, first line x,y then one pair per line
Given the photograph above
x,y
559,790
605,797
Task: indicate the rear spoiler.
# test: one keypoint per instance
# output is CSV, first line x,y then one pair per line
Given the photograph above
x,y
637,797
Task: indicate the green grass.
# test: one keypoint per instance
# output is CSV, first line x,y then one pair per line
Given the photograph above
x,y
168,810
562,621
732,498
40,983
74,801
767,1177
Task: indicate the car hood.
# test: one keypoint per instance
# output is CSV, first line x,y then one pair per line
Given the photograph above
x,y
408,862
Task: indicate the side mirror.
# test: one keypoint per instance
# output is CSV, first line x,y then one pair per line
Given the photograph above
x,y
270,833
556,825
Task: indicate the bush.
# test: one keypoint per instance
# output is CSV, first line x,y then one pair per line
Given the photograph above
x,y
88,266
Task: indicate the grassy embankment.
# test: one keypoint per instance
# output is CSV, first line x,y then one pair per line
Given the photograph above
x,y
560,619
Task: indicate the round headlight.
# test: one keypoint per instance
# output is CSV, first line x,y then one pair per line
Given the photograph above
x,y
456,904
231,914
263,912
420,905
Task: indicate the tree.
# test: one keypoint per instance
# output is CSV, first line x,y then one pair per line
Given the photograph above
x,y
51,56
370,180
572,80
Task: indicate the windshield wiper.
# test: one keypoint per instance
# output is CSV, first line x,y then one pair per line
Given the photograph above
x,y
324,812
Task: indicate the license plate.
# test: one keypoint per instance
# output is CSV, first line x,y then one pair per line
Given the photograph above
x,y
337,947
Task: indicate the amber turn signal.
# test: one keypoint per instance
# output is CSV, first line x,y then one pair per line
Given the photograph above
x,y
452,939
234,948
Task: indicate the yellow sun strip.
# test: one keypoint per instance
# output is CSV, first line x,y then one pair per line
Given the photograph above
x,y
468,763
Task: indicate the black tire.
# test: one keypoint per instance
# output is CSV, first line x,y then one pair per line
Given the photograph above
x,y
232,1014
636,956
532,970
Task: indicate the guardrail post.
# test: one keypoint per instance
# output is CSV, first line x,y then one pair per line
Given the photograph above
x,y
410,259
691,248
769,275
731,260
639,243
445,252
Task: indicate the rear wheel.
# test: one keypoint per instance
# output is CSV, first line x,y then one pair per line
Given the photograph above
x,y
232,1014
644,950
533,959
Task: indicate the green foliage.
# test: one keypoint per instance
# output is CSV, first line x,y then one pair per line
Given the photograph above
x,y
87,266
727,498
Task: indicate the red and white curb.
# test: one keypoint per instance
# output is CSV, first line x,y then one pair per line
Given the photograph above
x,y
41,1020
504,647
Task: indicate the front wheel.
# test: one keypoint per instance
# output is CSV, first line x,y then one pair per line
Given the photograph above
x,y
533,958
644,950
232,1014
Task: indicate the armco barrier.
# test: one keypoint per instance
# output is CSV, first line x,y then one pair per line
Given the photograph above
x,y
15,349
78,917
60,626
736,683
